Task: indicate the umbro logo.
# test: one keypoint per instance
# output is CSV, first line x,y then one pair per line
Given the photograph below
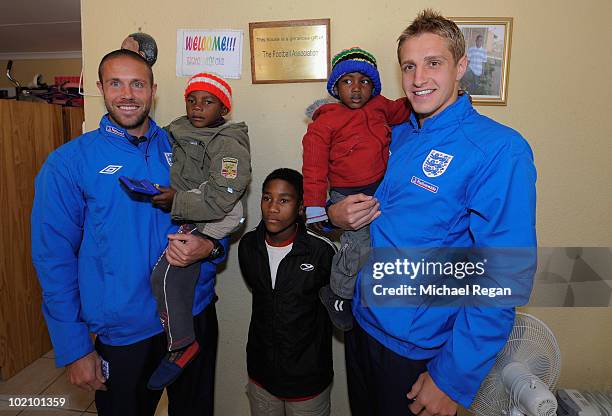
x,y
110,169
307,267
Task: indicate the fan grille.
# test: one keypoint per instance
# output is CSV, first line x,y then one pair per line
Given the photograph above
x,y
532,343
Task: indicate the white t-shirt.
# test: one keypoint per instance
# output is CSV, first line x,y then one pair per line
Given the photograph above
x,y
476,59
275,255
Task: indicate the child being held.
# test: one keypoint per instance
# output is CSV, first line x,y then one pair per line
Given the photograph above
x,y
211,168
289,350
346,148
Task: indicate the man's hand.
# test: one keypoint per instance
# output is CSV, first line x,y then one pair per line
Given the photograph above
x,y
164,199
354,212
86,372
184,249
429,400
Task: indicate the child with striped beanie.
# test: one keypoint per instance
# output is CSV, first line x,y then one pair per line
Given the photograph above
x,y
211,168
346,148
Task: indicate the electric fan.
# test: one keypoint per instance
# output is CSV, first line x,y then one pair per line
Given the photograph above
x,y
525,372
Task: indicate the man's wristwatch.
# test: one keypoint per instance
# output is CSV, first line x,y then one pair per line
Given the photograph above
x,y
217,250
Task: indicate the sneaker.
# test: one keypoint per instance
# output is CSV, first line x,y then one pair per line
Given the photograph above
x,y
339,309
172,366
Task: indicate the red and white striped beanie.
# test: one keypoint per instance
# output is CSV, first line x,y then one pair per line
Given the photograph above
x,y
213,84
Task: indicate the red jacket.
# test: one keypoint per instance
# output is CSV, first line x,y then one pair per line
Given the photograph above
x,y
348,148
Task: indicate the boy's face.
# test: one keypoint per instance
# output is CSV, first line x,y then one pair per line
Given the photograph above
x,y
430,75
354,89
203,108
280,208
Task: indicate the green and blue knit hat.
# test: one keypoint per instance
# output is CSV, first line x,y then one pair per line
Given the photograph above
x,y
350,60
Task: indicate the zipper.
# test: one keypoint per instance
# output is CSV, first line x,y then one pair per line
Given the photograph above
x,y
274,308
274,320
405,156
275,314
146,153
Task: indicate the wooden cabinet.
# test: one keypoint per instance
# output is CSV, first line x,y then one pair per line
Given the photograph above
x,y
28,133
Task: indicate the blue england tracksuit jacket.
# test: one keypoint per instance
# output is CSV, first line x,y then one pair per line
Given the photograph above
x,y
462,180
94,246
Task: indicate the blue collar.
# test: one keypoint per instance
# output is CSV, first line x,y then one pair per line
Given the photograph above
x,y
110,129
452,114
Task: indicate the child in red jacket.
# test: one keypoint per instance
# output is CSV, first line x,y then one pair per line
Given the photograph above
x,y
347,147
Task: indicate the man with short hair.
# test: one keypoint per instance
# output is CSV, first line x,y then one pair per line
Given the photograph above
x,y
455,179
477,58
94,245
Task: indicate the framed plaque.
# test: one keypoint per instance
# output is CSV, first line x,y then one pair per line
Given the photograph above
x,y
289,51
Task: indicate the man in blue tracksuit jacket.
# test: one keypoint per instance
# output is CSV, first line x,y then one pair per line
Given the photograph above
x,y
94,245
455,179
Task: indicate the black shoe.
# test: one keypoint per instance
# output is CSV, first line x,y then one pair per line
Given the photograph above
x,y
339,309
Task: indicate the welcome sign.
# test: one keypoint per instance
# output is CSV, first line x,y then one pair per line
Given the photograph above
x,y
203,50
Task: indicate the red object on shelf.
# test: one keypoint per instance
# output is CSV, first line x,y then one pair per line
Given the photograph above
x,y
66,82
71,80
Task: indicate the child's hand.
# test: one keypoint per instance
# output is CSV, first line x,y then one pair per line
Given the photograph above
x,y
164,199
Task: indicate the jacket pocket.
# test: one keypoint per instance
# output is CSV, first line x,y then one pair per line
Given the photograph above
x,y
193,161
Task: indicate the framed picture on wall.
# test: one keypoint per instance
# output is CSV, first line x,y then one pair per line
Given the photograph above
x,y
488,41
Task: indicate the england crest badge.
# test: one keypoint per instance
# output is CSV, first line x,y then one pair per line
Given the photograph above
x,y
435,163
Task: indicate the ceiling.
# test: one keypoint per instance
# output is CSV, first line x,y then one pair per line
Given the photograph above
x,y
35,28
